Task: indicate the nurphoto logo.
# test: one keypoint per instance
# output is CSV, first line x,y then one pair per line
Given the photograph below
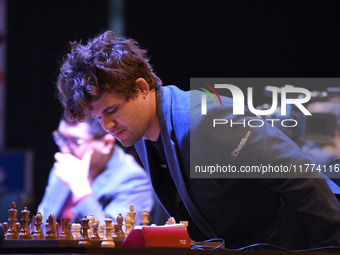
x,y
239,103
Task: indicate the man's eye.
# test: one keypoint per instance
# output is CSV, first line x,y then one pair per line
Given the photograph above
x,y
113,110
79,141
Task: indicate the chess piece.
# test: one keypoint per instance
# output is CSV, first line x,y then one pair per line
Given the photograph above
x,y
69,234
185,223
145,218
25,230
51,228
85,240
91,221
17,227
128,225
32,226
108,241
132,214
5,227
12,232
102,231
76,228
118,236
120,220
95,238
65,231
170,221
56,234
97,222
38,233
95,234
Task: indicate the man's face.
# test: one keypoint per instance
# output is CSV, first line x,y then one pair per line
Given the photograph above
x,y
128,121
74,139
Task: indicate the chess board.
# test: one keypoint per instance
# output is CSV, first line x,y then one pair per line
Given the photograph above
x,y
89,233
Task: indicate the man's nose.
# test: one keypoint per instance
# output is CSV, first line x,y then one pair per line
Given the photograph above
x,y
107,123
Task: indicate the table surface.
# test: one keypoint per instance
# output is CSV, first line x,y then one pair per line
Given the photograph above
x,y
70,247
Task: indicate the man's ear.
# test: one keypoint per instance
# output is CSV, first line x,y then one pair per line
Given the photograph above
x,y
142,86
109,142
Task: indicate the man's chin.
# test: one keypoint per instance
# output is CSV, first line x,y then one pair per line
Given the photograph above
x,y
128,143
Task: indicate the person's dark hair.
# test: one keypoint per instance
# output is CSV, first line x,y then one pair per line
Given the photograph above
x,y
106,63
94,126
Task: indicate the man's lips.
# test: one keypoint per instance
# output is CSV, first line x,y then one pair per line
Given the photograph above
x,y
117,133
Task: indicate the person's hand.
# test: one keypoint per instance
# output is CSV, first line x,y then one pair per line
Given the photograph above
x,y
74,172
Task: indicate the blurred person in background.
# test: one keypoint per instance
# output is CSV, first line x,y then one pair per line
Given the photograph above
x,y
93,175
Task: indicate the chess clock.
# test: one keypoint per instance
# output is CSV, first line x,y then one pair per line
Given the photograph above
x,y
158,237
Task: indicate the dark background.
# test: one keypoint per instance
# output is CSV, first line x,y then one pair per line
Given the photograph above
x,y
244,38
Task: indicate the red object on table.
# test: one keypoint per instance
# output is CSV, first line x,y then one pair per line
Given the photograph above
x,y
157,237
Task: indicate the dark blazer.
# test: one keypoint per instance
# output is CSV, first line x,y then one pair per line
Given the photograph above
x,y
294,213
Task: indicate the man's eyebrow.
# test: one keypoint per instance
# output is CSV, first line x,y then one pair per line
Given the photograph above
x,y
104,111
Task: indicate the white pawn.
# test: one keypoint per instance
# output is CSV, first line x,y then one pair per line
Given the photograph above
x,y
132,214
91,221
102,231
108,240
128,225
145,218
76,229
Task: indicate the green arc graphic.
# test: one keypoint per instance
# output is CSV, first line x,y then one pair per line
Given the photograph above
x,y
209,95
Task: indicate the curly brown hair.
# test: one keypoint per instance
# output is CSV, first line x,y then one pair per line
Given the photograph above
x,y
106,63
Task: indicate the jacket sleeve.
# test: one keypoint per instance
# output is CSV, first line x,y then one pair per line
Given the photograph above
x,y
113,202
55,195
114,191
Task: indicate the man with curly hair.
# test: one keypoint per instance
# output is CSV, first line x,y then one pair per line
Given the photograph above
x,y
111,79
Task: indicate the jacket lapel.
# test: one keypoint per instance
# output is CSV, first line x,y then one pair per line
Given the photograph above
x,y
164,109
